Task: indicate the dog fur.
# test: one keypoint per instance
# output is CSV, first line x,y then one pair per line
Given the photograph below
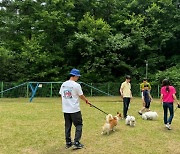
x,y
149,115
111,123
130,120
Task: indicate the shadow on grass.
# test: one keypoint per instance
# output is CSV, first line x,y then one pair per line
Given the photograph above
x,y
57,150
111,133
63,150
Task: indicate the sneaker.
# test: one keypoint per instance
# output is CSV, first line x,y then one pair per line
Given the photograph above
x,y
78,145
168,126
140,113
68,145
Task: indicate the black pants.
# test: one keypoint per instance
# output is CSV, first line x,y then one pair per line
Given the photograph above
x,y
76,119
126,101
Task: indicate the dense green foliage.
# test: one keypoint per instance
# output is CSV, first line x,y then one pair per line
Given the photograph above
x,y
106,39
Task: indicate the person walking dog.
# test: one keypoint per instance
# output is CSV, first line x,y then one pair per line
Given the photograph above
x,y
125,91
168,96
70,92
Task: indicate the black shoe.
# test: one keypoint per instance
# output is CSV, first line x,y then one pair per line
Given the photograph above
x,y
68,145
78,145
140,113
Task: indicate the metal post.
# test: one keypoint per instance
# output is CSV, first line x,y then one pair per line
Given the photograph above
x,y
108,88
146,68
27,90
158,91
2,89
51,90
91,90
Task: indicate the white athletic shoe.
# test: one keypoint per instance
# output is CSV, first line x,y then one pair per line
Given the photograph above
x,y
168,126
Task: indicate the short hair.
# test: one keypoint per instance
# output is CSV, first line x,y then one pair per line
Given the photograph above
x,y
144,79
128,77
69,76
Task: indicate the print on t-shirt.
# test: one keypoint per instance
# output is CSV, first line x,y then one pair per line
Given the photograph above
x,y
67,92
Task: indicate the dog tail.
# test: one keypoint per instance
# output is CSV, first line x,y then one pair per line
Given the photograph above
x,y
109,117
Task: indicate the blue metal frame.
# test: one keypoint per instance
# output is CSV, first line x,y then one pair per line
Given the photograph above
x,y
33,90
13,87
95,88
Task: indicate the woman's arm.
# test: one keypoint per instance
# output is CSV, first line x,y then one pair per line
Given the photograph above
x,y
161,98
175,98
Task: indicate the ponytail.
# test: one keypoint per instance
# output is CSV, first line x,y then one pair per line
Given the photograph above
x,y
167,88
166,83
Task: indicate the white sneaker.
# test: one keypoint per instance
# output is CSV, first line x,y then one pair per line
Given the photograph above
x,y
168,126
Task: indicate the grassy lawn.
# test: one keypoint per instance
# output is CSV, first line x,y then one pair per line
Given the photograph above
x,y
38,128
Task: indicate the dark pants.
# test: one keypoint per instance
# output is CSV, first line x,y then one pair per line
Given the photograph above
x,y
76,119
126,101
147,105
167,106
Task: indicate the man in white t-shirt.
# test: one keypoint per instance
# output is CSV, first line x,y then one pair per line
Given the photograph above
x,y
70,92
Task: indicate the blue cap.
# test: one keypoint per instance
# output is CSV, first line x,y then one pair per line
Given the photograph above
x,y
75,72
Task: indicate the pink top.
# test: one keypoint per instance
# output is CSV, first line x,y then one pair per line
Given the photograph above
x,y
168,96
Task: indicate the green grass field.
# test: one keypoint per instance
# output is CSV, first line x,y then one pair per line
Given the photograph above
x,y
38,128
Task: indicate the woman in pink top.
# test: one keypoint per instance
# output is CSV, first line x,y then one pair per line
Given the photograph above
x,y
168,95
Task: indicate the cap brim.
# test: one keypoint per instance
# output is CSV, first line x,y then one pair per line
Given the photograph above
x,y
74,74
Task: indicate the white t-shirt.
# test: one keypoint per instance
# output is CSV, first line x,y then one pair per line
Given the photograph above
x,y
70,92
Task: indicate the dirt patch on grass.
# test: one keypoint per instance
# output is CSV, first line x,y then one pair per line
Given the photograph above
x,y
173,147
29,151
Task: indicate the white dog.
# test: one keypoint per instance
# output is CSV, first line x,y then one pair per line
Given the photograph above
x,y
130,120
149,115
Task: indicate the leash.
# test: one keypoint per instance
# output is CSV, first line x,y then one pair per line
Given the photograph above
x,y
98,108
175,109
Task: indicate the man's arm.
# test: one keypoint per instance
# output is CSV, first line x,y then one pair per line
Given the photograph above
x,y
149,86
141,86
121,90
130,92
150,96
84,99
